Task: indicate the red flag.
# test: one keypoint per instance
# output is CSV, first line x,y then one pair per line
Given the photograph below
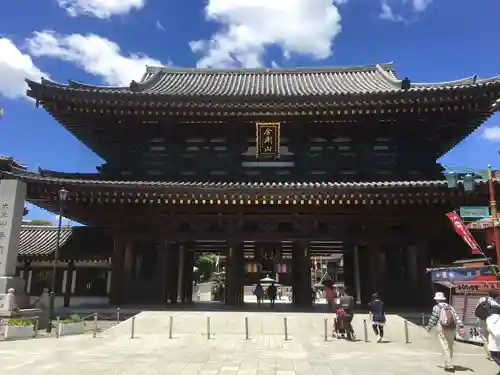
x,y
463,232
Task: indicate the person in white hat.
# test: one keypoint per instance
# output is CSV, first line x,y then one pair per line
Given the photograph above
x,y
445,319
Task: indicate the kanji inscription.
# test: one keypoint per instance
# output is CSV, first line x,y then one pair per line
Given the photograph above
x,y
268,139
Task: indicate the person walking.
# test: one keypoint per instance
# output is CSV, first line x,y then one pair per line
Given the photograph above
x,y
259,293
271,293
488,313
347,304
445,319
377,313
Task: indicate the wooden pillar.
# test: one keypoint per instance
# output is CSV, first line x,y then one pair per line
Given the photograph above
x,y
240,273
181,290
189,262
26,275
235,274
356,271
128,262
301,273
69,283
374,259
231,296
116,296
425,283
163,274
173,273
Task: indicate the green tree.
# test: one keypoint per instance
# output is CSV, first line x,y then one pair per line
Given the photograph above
x,y
206,264
40,222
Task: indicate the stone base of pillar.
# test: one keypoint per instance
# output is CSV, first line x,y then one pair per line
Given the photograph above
x,y
18,284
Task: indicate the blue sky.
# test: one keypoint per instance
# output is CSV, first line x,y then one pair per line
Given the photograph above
x,y
110,42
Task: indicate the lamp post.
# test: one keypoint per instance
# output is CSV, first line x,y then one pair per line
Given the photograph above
x,y
63,195
469,182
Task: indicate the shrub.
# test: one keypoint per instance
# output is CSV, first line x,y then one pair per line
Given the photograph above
x,y
20,322
74,318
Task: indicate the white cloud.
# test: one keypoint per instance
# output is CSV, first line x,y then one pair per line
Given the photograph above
x,y
96,55
15,66
421,5
389,14
492,133
247,27
100,8
159,25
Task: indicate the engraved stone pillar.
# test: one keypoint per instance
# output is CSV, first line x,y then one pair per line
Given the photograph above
x,y
12,196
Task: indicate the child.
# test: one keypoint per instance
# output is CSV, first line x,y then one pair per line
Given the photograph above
x,y
377,312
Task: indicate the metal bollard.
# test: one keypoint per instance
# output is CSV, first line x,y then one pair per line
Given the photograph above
x,y
325,328
246,328
94,333
407,335
132,328
365,329
58,327
118,315
170,326
423,320
36,327
285,323
208,328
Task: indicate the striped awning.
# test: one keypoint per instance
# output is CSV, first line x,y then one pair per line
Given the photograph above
x,y
41,240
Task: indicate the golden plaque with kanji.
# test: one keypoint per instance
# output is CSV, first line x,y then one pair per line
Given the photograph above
x,y
268,139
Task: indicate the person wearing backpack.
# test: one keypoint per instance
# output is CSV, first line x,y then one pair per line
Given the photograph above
x,y
445,319
488,313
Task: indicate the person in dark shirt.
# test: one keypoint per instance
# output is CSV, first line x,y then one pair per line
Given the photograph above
x,y
271,293
347,303
377,312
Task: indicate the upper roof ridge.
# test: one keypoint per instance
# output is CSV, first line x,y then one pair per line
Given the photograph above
x,y
150,70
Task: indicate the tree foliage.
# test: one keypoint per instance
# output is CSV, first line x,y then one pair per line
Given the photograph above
x,y
206,264
40,222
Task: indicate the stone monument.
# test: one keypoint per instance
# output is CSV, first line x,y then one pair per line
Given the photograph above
x,y
12,197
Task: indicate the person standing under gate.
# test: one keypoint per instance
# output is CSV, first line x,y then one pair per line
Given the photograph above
x,y
445,319
271,293
377,312
259,293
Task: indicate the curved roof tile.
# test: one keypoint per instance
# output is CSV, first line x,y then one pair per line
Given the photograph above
x,y
41,240
228,186
289,82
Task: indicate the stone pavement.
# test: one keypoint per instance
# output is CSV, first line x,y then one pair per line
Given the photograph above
x,y
228,353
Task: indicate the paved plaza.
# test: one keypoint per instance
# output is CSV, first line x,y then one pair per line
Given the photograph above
x,y
266,352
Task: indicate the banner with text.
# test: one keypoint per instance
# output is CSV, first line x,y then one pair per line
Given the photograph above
x,y
463,232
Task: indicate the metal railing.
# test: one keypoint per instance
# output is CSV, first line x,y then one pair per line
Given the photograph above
x,y
96,323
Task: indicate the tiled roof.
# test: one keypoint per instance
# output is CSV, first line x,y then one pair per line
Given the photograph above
x,y
9,161
183,185
41,240
178,82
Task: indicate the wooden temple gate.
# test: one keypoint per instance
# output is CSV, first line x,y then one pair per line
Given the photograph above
x,y
197,155
389,233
